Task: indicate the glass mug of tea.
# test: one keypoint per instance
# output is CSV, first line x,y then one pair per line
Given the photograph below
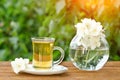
x,y
43,52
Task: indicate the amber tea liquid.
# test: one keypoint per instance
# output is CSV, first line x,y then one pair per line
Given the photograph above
x,y
42,54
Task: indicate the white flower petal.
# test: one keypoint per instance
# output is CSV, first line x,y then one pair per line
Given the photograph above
x,y
26,61
19,64
90,32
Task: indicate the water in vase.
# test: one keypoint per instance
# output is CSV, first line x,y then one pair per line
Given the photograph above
x,y
89,59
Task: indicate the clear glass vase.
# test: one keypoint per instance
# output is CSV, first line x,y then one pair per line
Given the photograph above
x,y
88,59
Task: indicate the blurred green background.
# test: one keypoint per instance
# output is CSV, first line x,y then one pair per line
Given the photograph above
x,y
22,19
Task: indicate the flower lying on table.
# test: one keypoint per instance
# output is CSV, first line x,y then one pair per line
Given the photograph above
x,y
19,64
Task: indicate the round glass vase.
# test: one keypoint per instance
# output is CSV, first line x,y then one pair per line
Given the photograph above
x,y
87,59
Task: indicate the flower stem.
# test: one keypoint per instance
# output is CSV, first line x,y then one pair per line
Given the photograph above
x,y
92,57
86,58
75,57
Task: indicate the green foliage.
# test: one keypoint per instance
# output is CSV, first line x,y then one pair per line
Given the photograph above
x,y
22,19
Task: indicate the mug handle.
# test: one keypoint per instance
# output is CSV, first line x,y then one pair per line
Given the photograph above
x,y
61,57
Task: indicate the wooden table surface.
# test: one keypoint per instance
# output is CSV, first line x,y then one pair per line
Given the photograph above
x,y
111,71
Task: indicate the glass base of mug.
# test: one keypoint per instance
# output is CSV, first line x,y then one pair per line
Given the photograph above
x,y
42,64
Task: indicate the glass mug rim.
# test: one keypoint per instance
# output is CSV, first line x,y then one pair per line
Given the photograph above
x,y
43,39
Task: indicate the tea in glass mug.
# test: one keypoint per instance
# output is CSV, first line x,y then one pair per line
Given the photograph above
x,y
43,52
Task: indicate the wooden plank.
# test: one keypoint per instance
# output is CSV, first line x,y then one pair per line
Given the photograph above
x,y
111,71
